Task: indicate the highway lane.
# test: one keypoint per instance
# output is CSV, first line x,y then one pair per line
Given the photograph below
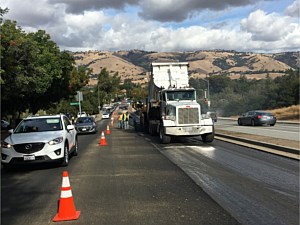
x,y
280,130
255,187
127,182
136,180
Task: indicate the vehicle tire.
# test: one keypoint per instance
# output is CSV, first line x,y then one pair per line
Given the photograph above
x,y
75,152
207,138
65,160
164,139
272,124
150,130
252,123
239,122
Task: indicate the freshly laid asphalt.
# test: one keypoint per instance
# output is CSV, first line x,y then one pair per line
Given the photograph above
x,y
130,182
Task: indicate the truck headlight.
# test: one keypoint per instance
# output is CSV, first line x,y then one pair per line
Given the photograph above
x,y
56,141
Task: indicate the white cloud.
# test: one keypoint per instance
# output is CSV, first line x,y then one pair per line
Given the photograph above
x,y
93,27
294,9
37,13
267,27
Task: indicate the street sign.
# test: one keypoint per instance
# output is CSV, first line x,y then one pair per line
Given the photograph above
x,y
74,103
79,96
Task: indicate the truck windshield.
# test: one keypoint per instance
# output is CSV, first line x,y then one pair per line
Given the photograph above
x,y
180,95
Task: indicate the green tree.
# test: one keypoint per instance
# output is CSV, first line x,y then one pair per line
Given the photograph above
x,y
34,73
139,93
128,86
288,89
107,86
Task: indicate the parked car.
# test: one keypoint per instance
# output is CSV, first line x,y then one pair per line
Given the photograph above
x,y
85,125
105,115
39,139
257,117
82,114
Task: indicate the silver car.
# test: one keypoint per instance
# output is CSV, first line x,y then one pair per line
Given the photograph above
x,y
86,125
257,118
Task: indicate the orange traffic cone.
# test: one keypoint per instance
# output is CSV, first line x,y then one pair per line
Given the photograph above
x,y
66,209
102,140
107,130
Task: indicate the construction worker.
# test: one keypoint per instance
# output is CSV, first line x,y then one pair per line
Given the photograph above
x,y
126,122
120,117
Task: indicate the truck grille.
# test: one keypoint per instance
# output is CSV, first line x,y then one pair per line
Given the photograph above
x,y
188,116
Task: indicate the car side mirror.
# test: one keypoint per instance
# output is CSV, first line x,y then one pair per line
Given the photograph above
x,y
70,127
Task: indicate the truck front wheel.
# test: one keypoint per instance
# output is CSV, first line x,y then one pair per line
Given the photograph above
x,y
206,138
164,139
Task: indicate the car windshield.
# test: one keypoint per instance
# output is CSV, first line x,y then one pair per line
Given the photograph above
x,y
84,120
39,125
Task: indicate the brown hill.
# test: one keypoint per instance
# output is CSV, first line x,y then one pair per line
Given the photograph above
x,y
135,64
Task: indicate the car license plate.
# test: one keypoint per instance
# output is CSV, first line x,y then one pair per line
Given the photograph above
x,y
83,129
29,157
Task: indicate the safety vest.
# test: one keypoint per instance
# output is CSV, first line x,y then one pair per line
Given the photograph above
x,y
124,117
120,117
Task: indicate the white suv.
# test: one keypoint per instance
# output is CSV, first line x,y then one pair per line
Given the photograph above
x,y
40,139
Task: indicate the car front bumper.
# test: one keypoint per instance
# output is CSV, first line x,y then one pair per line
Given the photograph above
x,y
47,154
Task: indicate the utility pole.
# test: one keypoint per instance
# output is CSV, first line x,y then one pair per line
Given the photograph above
x,y
208,103
98,99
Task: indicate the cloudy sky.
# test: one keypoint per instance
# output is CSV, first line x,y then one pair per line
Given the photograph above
x,y
163,25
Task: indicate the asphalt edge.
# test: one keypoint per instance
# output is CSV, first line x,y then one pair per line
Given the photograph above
x,y
292,152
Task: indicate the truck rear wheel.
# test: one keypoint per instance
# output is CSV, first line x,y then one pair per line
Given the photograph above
x,y
151,130
206,138
164,139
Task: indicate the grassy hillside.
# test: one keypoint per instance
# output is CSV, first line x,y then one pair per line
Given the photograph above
x,y
288,113
135,64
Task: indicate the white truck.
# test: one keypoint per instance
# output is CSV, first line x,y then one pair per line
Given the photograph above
x,y
172,109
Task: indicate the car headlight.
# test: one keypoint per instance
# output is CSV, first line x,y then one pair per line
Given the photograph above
x,y
5,144
56,141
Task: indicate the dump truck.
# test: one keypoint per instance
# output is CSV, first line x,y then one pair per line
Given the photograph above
x,y
171,108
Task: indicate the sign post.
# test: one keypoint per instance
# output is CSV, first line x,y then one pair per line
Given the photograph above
x,y
79,98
